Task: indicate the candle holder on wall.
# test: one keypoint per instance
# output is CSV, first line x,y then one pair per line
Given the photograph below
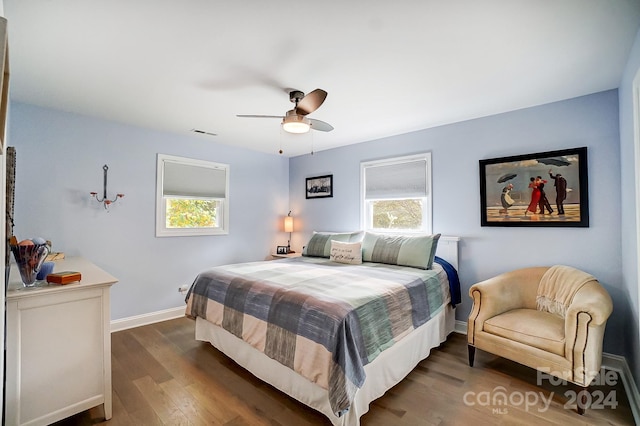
x,y
105,200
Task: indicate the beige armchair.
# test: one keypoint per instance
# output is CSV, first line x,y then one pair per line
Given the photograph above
x,y
548,318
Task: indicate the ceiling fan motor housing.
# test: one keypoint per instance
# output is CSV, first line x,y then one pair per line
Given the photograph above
x,y
295,96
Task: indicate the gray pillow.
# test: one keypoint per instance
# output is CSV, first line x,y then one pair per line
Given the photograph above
x,y
320,243
416,251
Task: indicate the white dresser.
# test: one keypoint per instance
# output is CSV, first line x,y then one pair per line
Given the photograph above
x,y
58,346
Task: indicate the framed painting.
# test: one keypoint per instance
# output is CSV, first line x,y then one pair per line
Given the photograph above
x,y
319,187
537,190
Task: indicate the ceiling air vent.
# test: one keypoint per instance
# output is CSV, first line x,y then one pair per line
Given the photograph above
x,y
202,132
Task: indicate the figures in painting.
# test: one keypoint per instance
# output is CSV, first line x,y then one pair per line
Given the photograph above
x,y
535,197
538,197
561,190
506,199
544,202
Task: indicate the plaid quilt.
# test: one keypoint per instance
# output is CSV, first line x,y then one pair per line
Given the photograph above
x,y
324,320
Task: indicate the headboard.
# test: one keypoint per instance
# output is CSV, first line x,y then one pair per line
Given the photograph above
x,y
448,250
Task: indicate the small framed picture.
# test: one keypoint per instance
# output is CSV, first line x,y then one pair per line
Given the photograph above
x,y
319,187
281,250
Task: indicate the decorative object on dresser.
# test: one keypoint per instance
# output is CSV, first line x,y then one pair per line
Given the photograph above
x,y
541,189
548,318
319,187
55,255
46,269
105,200
58,347
65,277
29,255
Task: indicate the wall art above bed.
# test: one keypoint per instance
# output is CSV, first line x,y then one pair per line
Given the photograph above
x,y
319,187
541,189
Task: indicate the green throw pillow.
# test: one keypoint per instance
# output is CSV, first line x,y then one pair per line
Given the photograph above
x,y
417,251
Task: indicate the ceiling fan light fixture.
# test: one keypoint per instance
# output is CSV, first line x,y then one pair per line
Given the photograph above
x,y
296,124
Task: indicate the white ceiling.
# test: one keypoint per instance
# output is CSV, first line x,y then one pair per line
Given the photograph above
x,y
389,67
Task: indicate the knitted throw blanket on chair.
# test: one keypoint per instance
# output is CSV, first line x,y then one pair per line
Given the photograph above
x,y
557,288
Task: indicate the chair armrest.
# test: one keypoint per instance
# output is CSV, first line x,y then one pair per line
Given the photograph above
x,y
585,323
593,299
511,290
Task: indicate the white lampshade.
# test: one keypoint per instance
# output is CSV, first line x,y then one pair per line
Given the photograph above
x,y
295,124
288,224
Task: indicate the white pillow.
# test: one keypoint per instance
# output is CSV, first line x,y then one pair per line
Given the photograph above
x,y
350,253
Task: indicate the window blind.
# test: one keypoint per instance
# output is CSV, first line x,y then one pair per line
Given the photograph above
x,y
188,180
399,180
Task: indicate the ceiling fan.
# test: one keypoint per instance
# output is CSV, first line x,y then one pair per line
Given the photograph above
x,y
296,120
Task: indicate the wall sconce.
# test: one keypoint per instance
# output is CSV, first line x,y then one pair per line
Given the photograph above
x,y
104,200
288,227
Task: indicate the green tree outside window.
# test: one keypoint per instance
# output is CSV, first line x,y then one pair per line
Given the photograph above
x,y
191,213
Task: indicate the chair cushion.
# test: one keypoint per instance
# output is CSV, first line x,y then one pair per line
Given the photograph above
x,y
531,327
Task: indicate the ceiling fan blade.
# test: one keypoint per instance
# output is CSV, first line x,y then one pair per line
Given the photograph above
x,y
258,116
320,125
311,102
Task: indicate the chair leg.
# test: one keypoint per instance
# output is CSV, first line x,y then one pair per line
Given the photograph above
x,y
472,354
581,400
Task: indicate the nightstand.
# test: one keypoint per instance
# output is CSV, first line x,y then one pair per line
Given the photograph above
x,y
282,256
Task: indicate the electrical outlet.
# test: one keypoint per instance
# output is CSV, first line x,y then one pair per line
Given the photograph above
x,y
183,289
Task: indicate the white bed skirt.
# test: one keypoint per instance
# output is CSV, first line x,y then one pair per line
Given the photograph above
x,y
388,369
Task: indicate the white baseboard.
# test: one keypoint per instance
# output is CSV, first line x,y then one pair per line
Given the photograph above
x,y
619,363
146,319
460,327
609,362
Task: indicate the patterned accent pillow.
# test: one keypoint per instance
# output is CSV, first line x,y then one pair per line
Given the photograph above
x,y
350,253
416,251
320,243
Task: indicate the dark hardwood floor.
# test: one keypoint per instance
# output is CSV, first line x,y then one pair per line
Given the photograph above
x,y
162,376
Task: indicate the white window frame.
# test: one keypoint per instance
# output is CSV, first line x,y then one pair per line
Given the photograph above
x,y
161,204
427,207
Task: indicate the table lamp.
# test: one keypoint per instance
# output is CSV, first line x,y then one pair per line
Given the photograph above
x,y
288,227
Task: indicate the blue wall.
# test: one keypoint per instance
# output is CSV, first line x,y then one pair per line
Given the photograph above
x,y
59,161
60,158
590,121
629,171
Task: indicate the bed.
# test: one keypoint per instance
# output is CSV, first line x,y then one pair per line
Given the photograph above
x,y
333,334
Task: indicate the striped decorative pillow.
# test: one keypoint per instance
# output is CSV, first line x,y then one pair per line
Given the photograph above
x,y
416,251
320,243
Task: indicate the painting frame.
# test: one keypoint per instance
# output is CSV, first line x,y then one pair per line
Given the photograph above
x,y
508,187
319,187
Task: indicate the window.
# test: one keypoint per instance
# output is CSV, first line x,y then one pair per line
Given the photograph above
x,y
192,197
396,194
